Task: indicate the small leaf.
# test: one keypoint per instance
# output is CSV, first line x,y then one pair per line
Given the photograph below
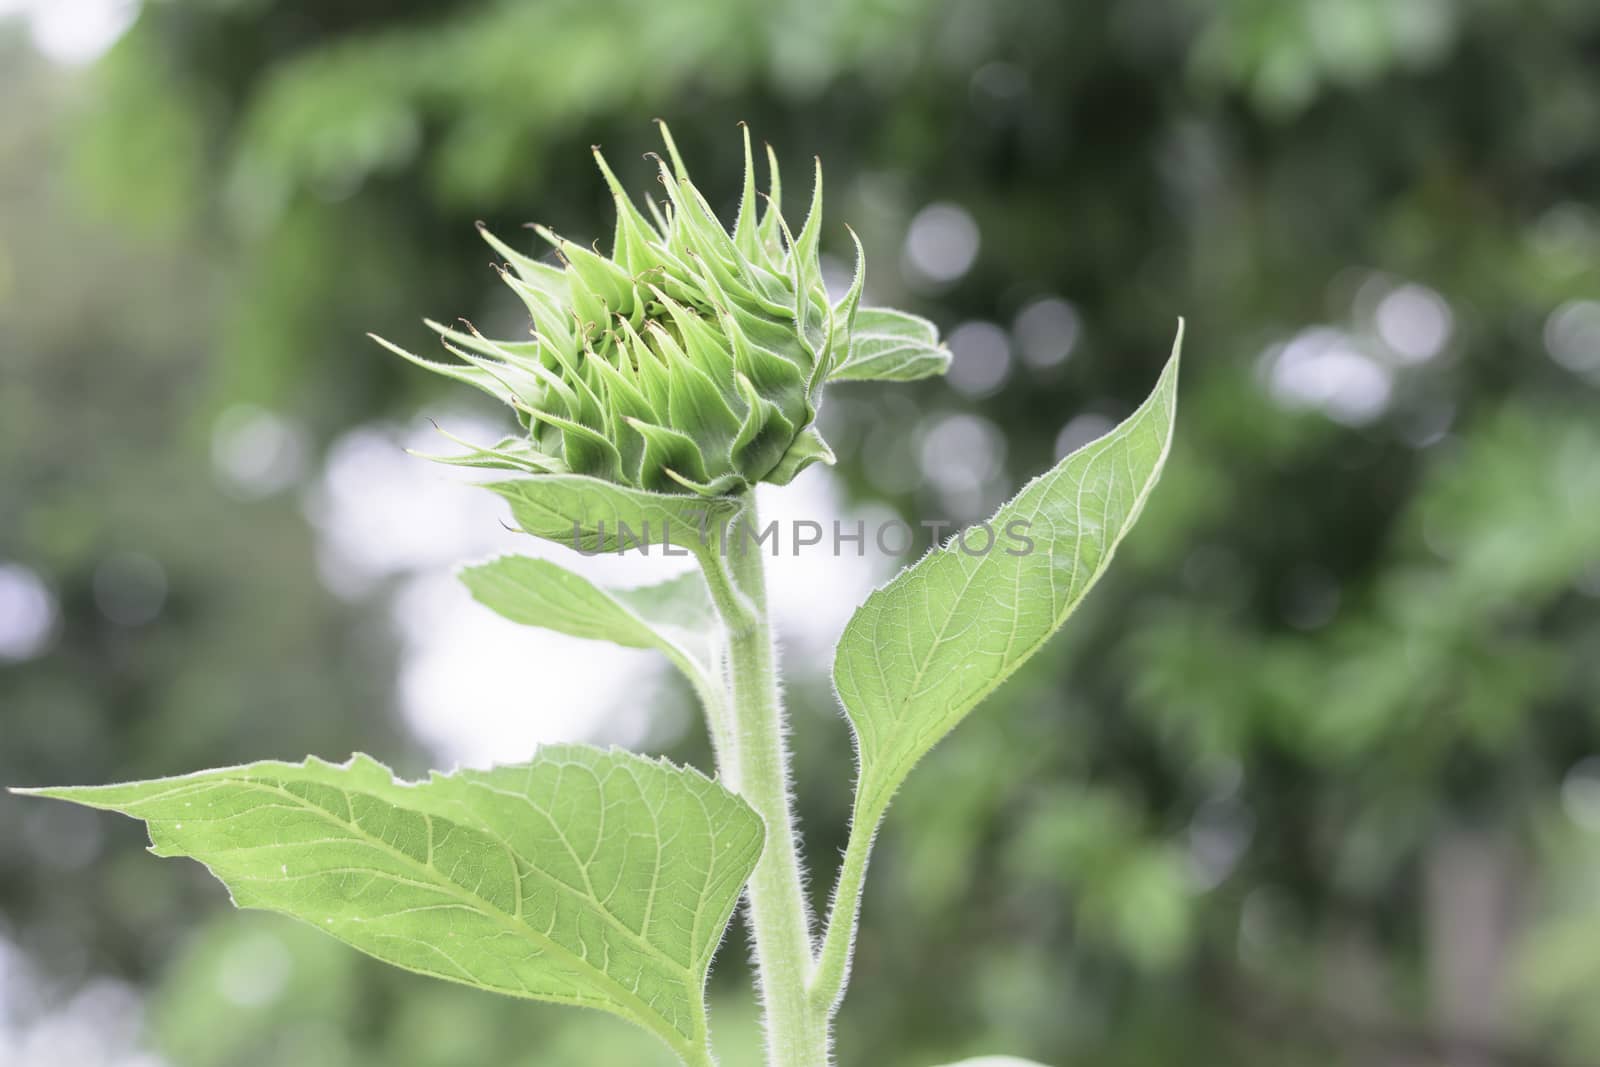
x,y
744,227
510,454
601,879
808,448
927,647
674,616
471,374
666,449
579,511
840,339
541,276
891,346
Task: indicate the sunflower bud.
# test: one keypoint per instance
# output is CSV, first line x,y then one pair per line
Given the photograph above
x,y
691,359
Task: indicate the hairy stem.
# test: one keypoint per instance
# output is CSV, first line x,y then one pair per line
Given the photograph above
x,y
797,1035
697,1056
712,693
832,972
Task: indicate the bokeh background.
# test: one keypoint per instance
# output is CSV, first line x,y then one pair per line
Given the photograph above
x,y
1312,779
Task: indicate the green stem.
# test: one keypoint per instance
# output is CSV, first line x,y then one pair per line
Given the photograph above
x,y
832,971
797,1035
697,1056
713,697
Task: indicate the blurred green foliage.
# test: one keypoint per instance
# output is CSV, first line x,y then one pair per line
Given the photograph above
x,y
1313,780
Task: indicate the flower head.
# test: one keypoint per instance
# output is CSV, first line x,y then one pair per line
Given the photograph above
x,y
691,359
